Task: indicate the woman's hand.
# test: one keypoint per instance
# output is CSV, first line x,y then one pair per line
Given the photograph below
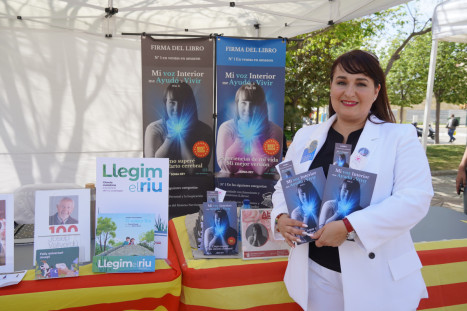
x,y
287,227
333,233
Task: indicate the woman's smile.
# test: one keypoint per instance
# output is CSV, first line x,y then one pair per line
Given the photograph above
x,y
348,103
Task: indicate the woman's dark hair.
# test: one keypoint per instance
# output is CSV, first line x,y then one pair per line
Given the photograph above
x,y
183,94
310,191
223,216
254,93
358,61
259,233
353,186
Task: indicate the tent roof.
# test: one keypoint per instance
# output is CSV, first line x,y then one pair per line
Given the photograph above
x,y
450,21
194,17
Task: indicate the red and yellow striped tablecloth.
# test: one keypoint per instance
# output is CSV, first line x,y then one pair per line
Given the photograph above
x,y
228,284
235,284
159,290
445,273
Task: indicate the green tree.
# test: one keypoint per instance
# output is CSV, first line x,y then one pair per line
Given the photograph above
x,y
407,24
105,230
406,82
147,236
450,77
309,61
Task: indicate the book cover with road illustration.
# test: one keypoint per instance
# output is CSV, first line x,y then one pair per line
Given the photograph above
x,y
124,243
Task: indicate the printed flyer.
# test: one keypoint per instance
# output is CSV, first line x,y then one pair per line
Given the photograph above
x,y
257,236
6,233
127,238
135,186
63,219
250,115
57,263
178,108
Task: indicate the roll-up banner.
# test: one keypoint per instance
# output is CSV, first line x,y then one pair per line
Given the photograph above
x,y
250,117
178,113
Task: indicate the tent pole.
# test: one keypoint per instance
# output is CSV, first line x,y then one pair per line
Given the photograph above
x,y
202,36
429,90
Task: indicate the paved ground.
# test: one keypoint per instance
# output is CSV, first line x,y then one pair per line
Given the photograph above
x,y
444,182
444,186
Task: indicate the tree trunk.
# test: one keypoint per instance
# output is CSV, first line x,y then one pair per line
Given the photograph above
x,y
401,114
438,109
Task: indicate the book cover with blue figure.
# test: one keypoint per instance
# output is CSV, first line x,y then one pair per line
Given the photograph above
x,y
219,228
347,190
286,169
342,154
303,193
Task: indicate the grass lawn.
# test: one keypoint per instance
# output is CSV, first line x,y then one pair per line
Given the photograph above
x,y
444,157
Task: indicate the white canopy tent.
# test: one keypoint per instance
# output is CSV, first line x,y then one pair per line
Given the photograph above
x,y
68,94
449,24
265,18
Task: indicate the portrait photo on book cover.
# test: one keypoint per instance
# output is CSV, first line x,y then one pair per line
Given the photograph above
x,y
257,234
63,210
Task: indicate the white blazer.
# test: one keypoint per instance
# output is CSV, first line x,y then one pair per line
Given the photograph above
x,y
381,269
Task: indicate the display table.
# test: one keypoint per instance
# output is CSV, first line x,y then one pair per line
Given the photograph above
x,y
159,290
228,284
445,273
236,284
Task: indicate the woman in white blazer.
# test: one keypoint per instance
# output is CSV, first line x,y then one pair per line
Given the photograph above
x,y
379,269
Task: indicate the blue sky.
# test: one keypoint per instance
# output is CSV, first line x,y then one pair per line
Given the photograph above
x,y
424,8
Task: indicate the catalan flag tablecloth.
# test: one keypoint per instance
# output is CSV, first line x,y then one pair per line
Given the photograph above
x,y
235,284
228,284
159,290
445,273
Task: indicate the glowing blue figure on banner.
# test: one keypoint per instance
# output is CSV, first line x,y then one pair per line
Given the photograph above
x,y
220,238
250,125
176,133
348,201
241,146
177,127
309,203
